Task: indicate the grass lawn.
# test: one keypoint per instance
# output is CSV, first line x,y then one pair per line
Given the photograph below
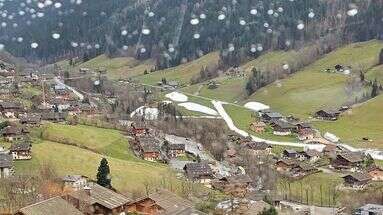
x,y
182,73
106,141
311,89
312,184
362,121
126,175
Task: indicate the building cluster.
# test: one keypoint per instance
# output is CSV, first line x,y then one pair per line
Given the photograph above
x,y
85,197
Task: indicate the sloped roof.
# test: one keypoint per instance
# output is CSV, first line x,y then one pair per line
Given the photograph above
x,y
169,201
56,206
5,161
196,170
102,196
359,176
351,157
23,146
258,145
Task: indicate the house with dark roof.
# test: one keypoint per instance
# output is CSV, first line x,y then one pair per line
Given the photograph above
x,y
56,206
259,148
149,148
163,202
95,199
30,119
310,155
282,127
199,172
175,150
269,116
347,161
327,115
13,133
290,154
356,180
10,109
6,165
21,150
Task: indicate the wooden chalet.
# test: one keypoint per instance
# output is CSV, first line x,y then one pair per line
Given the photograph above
x,y
199,172
282,128
56,206
375,172
14,133
269,116
149,148
258,126
30,119
310,155
236,185
306,134
21,151
303,126
6,165
285,165
356,180
259,148
95,199
162,202
302,169
175,150
10,109
290,153
327,115
347,161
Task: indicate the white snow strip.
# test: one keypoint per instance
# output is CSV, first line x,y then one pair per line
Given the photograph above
x,y
148,113
78,94
177,97
256,106
198,108
218,105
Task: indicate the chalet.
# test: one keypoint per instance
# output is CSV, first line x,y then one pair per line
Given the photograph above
x,y
259,148
303,126
347,161
10,109
269,116
302,170
258,126
306,134
282,128
162,202
54,116
149,148
236,184
376,173
6,165
56,205
199,172
284,165
369,209
95,199
176,150
311,155
327,115
290,153
30,119
75,182
356,180
21,151
13,133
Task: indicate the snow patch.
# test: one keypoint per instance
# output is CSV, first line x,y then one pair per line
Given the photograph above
x,y
256,106
177,97
198,108
147,112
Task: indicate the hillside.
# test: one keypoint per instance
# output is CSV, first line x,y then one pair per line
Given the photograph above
x,y
312,88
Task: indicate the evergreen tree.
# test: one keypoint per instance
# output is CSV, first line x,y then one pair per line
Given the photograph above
x,y
103,174
270,211
375,89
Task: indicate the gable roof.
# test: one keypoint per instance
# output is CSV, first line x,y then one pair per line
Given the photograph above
x,y
196,170
273,115
56,205
6,161
23,146
358,176
102,196
169,201
351,157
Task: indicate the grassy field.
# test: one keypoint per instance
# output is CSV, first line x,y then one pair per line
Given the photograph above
x,y
182,73
362,121
311,89
375,73
312,184
119,67
126,175
105,141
